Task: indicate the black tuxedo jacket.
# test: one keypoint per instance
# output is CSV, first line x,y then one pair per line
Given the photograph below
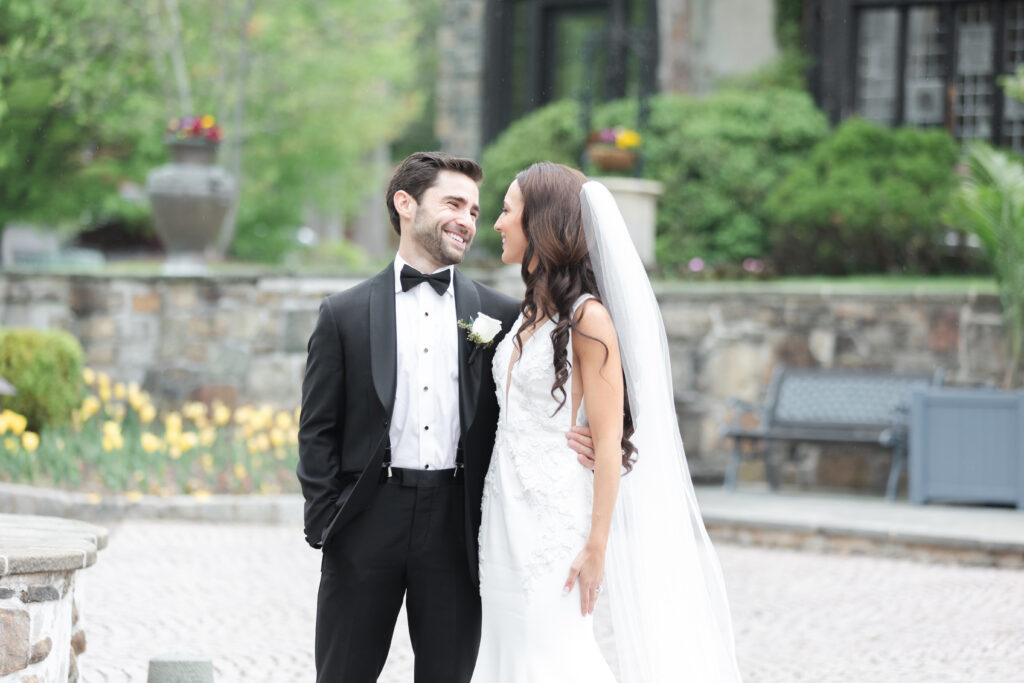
x,y
348,394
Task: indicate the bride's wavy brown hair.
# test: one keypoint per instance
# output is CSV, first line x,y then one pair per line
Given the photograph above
x,y
561,271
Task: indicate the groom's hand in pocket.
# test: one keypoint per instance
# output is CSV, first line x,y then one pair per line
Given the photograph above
x,y
580,441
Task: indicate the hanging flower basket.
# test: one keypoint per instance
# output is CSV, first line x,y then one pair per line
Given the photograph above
x,y
613,149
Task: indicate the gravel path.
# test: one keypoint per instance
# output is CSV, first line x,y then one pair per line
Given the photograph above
x,y
245,596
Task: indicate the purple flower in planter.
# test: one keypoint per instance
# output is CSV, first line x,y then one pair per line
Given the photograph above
x,y
696,264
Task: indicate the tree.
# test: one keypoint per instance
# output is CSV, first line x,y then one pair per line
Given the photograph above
x,y
303,90
72,123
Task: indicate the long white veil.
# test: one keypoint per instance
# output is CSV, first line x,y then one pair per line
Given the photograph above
x,y
666,594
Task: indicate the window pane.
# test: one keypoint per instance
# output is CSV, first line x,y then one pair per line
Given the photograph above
x,y
876,64
571,30
975,36
925,70
1013,110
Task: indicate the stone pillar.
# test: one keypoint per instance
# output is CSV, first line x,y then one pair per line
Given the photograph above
x,y
461,40
40,633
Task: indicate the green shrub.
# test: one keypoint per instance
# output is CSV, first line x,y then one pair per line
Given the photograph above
x,y
867,199
46,370
551,133
717,156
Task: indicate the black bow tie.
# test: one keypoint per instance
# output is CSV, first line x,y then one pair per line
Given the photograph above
x,y
411,277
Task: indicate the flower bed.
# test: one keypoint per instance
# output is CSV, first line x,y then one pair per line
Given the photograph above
x,y
118,442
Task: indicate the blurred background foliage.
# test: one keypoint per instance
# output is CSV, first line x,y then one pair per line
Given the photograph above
x,y
305,93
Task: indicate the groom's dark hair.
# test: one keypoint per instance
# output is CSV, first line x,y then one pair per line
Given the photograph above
x,y
419,172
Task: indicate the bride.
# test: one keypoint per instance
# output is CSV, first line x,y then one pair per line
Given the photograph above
x,y
589,348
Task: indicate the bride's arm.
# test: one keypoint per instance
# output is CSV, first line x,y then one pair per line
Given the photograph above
x,y
596,359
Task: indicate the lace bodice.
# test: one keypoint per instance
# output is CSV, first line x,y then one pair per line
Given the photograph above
x,y
532,463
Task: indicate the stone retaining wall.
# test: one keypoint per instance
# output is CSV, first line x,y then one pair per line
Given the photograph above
x,y
244,339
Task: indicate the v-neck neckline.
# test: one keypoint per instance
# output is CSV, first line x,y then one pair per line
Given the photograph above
x,y
514,358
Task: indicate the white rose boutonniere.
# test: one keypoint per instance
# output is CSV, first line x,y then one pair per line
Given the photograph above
x,y
481,331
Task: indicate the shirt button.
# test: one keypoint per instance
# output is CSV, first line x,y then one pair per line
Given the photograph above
x,y
424,388
426,467
426,428
425,350
426,314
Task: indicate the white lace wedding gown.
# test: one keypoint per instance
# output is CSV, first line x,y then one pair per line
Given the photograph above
x,y
537,505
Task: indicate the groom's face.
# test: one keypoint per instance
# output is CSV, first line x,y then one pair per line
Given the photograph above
x,y
444,223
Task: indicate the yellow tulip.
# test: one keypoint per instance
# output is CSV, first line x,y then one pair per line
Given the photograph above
x,y
120,391
15,422
221,414
117,411
150,442
207,436
174,452
172,423
133,496
10,444
104,393
293,437
188,441
111,428
93,497
103,378
240,471
283,420
89,376
3,422
263,441
30,440
90,406
298,412
280,453
207,462
207,121
201,494
243,415
277,437
146,413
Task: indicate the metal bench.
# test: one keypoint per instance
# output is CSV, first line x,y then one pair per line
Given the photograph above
x,y
828,406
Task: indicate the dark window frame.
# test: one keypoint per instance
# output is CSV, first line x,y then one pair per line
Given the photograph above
x,y
499,28
832,30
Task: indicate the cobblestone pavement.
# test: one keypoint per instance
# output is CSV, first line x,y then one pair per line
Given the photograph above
x,y
245,596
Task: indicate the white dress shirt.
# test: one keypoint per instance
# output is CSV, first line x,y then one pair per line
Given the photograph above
x,y
425,423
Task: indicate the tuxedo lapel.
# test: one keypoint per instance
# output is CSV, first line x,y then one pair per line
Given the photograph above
x,y
383,338
467,306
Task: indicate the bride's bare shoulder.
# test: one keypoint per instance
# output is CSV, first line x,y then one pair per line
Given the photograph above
x,y
594,323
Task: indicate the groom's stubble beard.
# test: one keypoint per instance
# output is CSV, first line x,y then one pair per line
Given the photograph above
x,y
429,234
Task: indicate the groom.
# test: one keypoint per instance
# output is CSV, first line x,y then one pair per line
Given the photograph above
x,y
397,426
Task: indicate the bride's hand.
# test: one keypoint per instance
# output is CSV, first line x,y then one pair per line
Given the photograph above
x,y
588,569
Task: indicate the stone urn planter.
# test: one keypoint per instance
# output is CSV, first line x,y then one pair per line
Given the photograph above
x,y
190,198
967,445
638,201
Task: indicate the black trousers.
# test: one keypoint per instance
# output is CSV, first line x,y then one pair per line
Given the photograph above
x,y
409,542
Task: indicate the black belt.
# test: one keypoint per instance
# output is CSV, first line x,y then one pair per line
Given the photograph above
x,y
421,478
